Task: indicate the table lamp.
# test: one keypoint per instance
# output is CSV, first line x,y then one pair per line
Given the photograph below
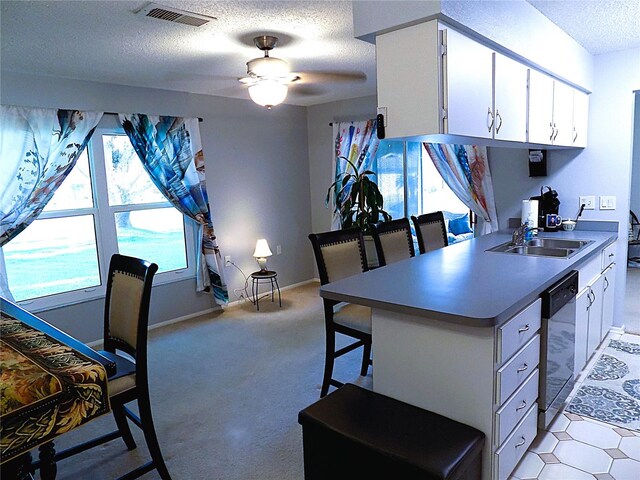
x,y
261,253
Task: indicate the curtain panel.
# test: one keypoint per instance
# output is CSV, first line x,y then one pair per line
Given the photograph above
x,y
38,149
358,142
465,170
171,152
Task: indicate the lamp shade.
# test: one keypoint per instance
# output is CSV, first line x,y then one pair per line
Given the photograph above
x,y
262,249
268,92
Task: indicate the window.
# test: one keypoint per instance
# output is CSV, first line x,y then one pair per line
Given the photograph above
x,y
107,204
410,182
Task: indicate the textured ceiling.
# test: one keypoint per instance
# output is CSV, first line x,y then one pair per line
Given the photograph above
x,y
600,26
105,41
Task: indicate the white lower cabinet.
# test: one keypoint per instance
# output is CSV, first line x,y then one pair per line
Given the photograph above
x,y
514,409
608,289
583,301
510,453
595,316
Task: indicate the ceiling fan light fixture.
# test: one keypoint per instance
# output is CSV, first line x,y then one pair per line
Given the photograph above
x,y
267,67
268,93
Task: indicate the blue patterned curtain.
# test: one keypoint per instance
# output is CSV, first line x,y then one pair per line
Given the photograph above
x,y
358,142
465,170
171,153
38,149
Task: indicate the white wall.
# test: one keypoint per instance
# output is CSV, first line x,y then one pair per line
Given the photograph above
x,y
257,180
603,168
321,149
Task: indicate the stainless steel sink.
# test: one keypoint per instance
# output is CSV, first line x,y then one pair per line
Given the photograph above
x,y
544,247
557,243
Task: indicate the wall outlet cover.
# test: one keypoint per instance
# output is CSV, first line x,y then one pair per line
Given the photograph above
x,y
227,260
589,201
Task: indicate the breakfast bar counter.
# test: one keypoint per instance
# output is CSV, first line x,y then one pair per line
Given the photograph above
x,y
457,331
464,283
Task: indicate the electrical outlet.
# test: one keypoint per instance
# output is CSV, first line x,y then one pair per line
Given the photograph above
x,y
278,249
227,260
589,202
608,202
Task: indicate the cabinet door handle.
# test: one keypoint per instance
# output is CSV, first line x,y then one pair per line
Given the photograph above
x,y
490,117
606,284
521,442
523,368
499,117
522,405
575,134
553,129
556,134
523,329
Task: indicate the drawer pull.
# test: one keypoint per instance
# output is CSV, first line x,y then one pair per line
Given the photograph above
x,y
522,405
523,329
523,368
521,442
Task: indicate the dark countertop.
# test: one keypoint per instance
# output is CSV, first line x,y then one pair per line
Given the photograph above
x,y
463,283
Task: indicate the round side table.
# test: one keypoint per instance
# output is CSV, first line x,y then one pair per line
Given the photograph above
x,y
264,276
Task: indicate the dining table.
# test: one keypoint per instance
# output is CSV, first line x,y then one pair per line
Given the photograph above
x,y
50,384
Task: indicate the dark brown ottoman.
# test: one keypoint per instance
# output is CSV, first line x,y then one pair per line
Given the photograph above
x,y
358,434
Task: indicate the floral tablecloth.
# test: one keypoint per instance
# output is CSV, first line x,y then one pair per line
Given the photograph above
x,y
46,388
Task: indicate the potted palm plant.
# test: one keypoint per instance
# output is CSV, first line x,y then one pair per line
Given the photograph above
x,y
359,203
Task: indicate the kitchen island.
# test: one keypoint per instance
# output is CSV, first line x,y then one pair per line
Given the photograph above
x,y
455,331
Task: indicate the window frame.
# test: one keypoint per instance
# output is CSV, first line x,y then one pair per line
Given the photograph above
x,y
106,234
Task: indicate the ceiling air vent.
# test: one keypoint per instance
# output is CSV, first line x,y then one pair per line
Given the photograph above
x,y
174,15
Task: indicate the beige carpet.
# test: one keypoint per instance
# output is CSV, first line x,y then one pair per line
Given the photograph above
x,y
226,392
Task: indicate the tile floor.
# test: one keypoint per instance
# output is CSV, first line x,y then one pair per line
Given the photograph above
x,y
576,448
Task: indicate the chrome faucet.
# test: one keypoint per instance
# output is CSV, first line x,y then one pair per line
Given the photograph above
x,y
520,234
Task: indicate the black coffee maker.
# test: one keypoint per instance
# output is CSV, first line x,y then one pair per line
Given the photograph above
x,y
548,205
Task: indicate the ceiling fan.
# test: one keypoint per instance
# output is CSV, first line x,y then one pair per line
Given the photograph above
x,y
268,78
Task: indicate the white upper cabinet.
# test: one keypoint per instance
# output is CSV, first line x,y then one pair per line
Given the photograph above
x,y
540,108
580,119
557,112
433,80
562,114
510,99
409,80
468,97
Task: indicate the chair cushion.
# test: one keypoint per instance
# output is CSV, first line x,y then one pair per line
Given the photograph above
x,y
125,377
458,226
353,316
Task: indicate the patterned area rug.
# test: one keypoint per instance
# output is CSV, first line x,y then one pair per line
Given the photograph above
x,y
611,392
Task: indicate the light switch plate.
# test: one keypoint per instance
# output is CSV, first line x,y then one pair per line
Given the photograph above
x,y
589,202
607,202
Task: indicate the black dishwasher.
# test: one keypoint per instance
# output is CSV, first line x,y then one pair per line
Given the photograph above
x,y
557,346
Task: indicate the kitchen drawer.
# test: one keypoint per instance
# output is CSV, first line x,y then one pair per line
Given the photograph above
x,y
510,376
608,255
516,407
588,271
517,331
508,456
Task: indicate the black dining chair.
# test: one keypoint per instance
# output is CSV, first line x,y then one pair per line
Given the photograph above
x,y
340,254
431,231
126,317
393,241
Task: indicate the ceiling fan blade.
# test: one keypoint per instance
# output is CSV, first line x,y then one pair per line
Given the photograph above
x,y
331,77
307,90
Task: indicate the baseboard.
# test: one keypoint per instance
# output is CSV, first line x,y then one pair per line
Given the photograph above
x,y
617,330
282,289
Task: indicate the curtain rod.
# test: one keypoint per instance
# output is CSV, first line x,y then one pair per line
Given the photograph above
x,y
360,120
116,114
